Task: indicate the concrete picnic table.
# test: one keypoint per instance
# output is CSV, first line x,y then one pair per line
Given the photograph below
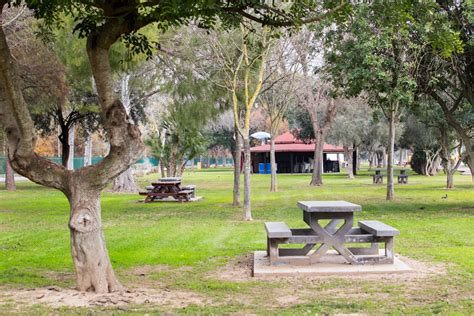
x,y
335,212
329,236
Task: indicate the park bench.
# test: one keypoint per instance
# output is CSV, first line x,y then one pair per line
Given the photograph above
x,y
190,187
185,194
372,232
402,177
377,178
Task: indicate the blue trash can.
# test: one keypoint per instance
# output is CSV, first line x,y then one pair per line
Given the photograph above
x,y
261,168
268,168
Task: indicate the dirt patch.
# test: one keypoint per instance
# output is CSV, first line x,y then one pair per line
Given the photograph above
x,y
58,297
148,269
240,269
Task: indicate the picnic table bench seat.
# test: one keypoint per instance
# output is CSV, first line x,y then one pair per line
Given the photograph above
x,y
277,230
378,229
190,187
384,234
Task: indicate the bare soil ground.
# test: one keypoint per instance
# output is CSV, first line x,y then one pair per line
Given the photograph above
x,y
279,291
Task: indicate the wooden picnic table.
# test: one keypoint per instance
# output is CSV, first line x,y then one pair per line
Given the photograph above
x,y
330,235
165,188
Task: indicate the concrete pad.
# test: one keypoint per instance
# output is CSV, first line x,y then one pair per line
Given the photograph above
x,y
331,264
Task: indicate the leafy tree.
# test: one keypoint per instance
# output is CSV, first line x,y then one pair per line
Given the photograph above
x,y
443,138
374,54
104,23
422,141
350,128
445,72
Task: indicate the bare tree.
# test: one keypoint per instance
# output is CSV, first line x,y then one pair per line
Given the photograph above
x,y
243,64
276,102
314,96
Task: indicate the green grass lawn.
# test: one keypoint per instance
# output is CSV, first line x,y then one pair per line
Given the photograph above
x,y
193,241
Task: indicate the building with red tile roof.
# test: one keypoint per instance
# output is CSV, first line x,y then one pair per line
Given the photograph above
x,y
293,155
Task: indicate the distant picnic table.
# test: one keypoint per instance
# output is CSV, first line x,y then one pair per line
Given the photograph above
x,y
169,187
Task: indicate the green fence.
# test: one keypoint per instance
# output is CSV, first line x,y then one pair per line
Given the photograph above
x,y
79,161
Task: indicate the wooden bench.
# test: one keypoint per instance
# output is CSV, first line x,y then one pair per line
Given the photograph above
x,y
190,187
186,194
382,233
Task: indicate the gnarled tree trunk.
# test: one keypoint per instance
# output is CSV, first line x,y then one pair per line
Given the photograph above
x,y
125,182
89,253
9,175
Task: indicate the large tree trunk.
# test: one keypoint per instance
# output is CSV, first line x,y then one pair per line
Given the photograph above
x,y
273,185
125,182
348,157
317,176
247,206
93,268
449,180
9,175
391,148
180,166
172,162
236,156
162,168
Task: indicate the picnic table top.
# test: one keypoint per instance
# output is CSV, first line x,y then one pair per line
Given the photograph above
x,y
166,182
169,179
328,206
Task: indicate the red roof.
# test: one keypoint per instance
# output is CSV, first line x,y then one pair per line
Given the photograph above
x,y
288,143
